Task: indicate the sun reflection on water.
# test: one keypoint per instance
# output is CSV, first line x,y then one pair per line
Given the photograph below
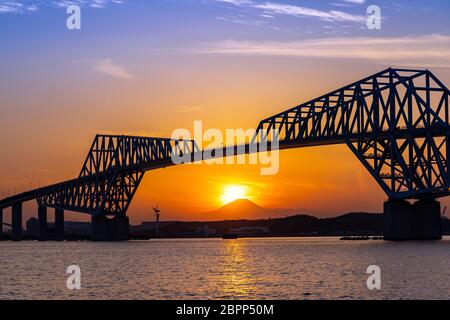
x,y
234,277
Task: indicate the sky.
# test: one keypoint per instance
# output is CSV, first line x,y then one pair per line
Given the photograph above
x,y
149,67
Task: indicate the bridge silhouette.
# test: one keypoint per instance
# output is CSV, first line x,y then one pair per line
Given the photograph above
x,y
396,122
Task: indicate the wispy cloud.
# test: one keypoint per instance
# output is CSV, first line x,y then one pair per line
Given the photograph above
x,y
8,6
29,6
286,9
276,8
87,3
347,3
106,66
425,50
190,109
40,170
355,1
236,2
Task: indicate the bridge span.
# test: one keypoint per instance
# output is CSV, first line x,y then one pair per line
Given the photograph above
x,y
396,122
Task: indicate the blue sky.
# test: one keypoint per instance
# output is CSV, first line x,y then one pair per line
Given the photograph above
x,y
254,18
168,26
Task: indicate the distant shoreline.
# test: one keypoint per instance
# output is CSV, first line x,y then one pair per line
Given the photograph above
x,y
72,238
356,224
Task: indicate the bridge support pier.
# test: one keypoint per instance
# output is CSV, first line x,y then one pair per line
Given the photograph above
x,y
102,229
121,228
16,233
42,222
428,214
418,221
115,229
1,224
59,224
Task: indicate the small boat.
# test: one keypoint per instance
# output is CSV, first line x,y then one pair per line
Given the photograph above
x,y
229,236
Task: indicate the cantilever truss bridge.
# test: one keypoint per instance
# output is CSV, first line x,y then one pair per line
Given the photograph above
x,y
396,122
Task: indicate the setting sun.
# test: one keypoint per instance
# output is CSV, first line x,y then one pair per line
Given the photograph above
x,y
232,193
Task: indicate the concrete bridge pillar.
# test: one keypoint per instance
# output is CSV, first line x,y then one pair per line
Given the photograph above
x,y
59,224
1,224
115,229
16,234
427,214
418,221
102,229
397,220
42,222
121,228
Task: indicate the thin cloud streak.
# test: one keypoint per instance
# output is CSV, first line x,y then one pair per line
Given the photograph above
x,y
427,50
276,8
88,3
107,67
190,109
355,1
19,7
285,9
32,169
16,7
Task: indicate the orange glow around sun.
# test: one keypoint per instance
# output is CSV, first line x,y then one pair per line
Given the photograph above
x,y
232,193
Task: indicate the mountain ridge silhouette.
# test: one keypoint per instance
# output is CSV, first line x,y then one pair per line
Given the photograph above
x,y
247,209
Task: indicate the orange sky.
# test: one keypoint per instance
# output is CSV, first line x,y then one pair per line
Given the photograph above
x,y
52,131
132,76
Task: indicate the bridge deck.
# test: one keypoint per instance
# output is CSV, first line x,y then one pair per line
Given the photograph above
x,y
239,150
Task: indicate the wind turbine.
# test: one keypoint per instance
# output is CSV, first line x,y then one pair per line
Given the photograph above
x,y
157,211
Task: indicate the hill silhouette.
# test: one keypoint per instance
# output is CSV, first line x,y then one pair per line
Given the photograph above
x,y
279,222
355,223
246,209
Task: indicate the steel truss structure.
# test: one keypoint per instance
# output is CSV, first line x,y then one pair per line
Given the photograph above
x,y
396,122
112,172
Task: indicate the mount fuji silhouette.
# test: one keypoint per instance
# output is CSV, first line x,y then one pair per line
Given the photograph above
x,y
246,209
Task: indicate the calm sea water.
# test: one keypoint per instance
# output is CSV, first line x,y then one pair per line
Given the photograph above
x,y
265,268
